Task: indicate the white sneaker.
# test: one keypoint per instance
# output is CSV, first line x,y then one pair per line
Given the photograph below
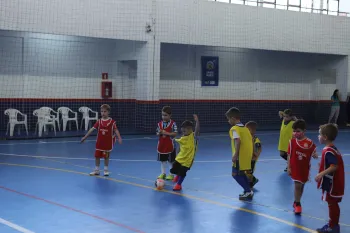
x,y
106,173
95,173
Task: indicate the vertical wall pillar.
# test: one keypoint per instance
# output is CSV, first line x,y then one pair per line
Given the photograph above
x,y
147,86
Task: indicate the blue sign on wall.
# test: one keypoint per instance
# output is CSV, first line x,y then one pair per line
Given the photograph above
x,y
210,71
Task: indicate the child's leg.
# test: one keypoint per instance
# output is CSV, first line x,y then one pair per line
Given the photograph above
x,y
171,160
241,178
163,158
334,211
97,164
106,163
298,192
334,214
284,155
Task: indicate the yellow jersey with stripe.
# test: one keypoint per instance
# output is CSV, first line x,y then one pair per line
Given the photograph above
x,y
188,148
246,146
286,134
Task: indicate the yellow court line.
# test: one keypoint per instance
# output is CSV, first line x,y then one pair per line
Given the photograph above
x,y
206,192
174,193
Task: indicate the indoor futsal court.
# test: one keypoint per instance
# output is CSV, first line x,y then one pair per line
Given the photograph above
x,y
74,71
46,187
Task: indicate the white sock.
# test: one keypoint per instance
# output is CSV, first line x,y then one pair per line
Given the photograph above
x,y
97,168
170,167
162,167
106,168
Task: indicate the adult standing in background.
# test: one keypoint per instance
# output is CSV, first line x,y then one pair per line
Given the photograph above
x,y
335,107
348,109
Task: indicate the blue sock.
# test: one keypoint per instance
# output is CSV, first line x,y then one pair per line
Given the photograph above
x,y
243,181
180,180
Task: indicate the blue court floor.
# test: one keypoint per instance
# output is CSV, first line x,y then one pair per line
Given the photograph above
x,y
45,187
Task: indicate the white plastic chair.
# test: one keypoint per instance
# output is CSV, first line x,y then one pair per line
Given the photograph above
x,y
86,116
65,117
13,120
43,121
48,111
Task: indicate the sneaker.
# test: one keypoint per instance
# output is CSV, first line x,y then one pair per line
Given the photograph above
x,y
176,179
246,196
162,176
297,209
327,229
177,187
169,177
106,173
255,181
95,173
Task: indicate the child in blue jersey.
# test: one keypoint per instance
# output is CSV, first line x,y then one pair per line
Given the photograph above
x,y
251,125
188,148
242,151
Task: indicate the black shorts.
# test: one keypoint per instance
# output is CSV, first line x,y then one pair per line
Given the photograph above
x,y
170,157
178,169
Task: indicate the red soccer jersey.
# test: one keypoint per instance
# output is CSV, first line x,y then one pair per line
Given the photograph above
x,y
165,142
334,183
105,136
300,152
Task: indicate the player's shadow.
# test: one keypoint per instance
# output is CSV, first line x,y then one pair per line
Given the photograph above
x,y
106,188
242,221
174,207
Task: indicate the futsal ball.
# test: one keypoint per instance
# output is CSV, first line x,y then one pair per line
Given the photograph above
x,y
160,183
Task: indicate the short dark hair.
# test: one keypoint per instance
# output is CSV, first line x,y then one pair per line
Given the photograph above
x,y
233,112
330,131
106,107
299,124
187,124
167,109
288,112
251,125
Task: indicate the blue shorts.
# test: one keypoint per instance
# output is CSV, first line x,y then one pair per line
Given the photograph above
x,y
235,169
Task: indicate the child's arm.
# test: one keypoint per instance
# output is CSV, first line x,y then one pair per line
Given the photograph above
x,y
237,146
332,160
289,168
116,132
257,153
197,128
329,170
280,114
87,135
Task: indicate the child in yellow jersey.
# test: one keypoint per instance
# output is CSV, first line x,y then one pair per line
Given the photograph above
x,y
242,151
251,125
286,133
188,147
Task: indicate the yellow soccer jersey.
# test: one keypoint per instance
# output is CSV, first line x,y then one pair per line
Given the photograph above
x,y
188,149
286,135
246,146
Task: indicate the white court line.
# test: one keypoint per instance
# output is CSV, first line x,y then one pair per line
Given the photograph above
x,y
14,226
132,139
133,160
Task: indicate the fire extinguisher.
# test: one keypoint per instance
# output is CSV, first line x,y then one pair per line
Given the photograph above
x,y
107,91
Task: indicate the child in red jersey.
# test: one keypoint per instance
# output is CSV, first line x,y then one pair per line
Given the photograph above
x,y
300,151
331,177
166,131
106,137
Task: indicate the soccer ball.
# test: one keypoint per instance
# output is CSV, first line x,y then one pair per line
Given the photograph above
x,y
160,183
